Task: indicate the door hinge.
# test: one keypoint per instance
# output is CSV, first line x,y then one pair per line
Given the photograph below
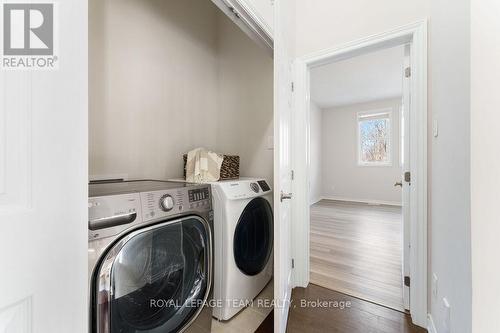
x,y
407,71
293,86
293,263
407,176
407,281
292,175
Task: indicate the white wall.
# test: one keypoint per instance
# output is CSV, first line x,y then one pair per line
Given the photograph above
x,y
316,154
159,87
449,57
485,176
325,24
342,177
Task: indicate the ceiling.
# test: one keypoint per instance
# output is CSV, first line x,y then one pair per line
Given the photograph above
x,y
369,77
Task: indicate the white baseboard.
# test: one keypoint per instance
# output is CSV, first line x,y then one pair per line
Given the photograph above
x,y
431,328
367,201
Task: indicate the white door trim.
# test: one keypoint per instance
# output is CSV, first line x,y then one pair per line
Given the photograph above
x,y
416,35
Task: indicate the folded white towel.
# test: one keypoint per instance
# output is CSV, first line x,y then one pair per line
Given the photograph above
x,y
203,166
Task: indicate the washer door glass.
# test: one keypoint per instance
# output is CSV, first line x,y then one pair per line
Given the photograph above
x,y
253,237
159,279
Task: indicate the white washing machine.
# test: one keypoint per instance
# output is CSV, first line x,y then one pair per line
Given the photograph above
x,y
243,240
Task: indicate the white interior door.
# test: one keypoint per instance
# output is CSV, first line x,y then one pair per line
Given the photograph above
x,y
405,135
283,51
43,186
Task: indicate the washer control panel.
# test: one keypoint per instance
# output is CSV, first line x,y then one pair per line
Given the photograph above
x,y
163,203
255,187
264,186
243,188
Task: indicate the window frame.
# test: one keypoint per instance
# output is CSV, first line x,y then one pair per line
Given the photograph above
x,y
378,113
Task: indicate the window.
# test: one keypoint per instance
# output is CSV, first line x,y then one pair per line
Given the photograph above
x,y
374,138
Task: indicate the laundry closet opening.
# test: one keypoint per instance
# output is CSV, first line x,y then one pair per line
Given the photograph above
x,y
166,77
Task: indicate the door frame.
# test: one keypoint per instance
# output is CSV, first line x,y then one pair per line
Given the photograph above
x,y
414,34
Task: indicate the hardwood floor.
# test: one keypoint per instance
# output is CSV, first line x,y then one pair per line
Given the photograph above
x,y
267,326
359,317
356,249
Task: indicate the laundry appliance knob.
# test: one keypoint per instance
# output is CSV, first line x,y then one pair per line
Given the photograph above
x,y
166,203
254,187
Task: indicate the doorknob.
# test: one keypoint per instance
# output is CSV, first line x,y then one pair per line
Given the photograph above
x,y
400,184
285,196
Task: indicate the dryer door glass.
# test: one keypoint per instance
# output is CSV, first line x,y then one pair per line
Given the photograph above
x,y
159,279
253,237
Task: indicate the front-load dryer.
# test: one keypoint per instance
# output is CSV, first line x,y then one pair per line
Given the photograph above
x,y
150,257
243,227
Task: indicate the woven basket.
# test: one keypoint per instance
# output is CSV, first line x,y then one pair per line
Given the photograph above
x,y
230,168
